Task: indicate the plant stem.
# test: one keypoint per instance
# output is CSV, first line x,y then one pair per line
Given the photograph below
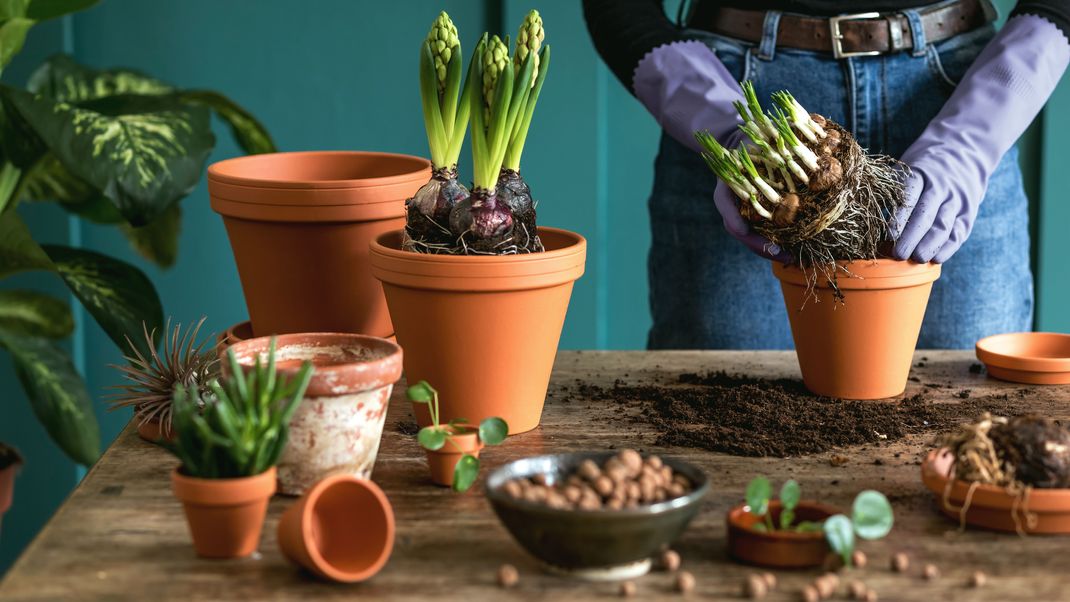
x,y
11,184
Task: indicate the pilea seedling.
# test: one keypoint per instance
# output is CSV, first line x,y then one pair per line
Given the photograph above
x,y
491,431
871,518
758,494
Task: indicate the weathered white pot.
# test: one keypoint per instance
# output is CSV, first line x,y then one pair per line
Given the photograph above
x,y
337,428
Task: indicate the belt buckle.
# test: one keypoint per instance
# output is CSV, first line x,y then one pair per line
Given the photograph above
x,y
837,37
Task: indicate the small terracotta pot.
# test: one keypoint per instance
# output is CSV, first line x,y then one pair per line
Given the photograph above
x,y
342,529
1035,358
778,549
861,348
442,462
483,330
7,487
337,427
1044,511
299,225
153,432
225,516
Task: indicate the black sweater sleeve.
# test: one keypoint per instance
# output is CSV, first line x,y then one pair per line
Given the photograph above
x,y
1056,11
623,32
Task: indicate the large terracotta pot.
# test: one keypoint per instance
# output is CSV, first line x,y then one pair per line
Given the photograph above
x,y
483,330
862,347
337,427
225,516
300,224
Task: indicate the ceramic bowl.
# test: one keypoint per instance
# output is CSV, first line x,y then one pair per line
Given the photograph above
x,y
779,549
1036,358
992,507
592,544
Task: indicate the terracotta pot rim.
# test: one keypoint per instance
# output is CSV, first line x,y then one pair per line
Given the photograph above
x,y
994,350
384,245
464,442
735,515
322,564
223,492
228,171
1056,501
875,274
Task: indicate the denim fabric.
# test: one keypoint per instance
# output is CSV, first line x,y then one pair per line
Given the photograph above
x,y
707,291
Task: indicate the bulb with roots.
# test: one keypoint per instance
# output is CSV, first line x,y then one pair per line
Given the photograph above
x,y
428,211
481,217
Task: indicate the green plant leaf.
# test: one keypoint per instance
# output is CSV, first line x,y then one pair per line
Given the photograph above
x,y
57,394
841,536
787,516
48,180
790,493
251,135
50,9
432,437
872,515
12,36
12,9
493,431
757,497
19,252
759,527
808,526
421,392
142,152
118,295
63,79
465,473
158,241
30,313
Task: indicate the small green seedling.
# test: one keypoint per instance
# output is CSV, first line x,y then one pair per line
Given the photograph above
x,y
759,491
491,431
871,518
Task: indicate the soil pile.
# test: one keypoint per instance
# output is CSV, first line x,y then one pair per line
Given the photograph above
x,y
748,416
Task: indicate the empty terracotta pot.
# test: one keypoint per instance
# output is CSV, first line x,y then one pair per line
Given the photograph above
x,y
1036,358
860,348
483,330
778,549
224,515
300,224
337,427
442,462
342,529
1044,511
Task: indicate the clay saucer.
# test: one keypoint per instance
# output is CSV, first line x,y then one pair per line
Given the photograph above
x,y
1035,358
1043,511
778,549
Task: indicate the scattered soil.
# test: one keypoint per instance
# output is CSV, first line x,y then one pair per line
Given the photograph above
x,y
748,416
407,427
8,456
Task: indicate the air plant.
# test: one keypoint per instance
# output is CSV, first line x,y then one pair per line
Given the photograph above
x,y
184,362
806,185
446,108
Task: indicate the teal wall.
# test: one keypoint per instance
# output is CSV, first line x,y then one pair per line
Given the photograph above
x,y
340,74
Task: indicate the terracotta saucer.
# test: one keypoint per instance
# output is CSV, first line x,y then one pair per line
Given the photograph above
x,y
1044,511
778,549
1035,358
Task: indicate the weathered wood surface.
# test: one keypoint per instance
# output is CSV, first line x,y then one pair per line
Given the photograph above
x,y
122,535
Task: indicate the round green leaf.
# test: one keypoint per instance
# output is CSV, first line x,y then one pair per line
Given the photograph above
x,y
493,431
872,515
465,473
790,492
757,496
431,437
421,392
841,536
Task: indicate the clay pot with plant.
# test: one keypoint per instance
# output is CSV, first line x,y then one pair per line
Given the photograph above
x,y
154,376
10,462
453,448
793,533
487,276
805,184
229,444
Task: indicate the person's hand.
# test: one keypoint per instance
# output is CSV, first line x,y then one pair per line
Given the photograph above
x,y
727,204
941,202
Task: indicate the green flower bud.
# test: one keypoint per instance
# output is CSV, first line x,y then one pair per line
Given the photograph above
x,y
528,41
443,40
495,58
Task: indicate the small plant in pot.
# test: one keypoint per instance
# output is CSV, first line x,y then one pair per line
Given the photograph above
x,y
229,444
154,376
453,448
793,533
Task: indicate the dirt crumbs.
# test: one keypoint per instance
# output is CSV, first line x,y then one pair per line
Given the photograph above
x,y
747,416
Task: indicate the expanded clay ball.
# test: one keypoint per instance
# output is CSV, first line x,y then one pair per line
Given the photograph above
x,y
978,579
685,582
770,580
627,589
670,560
754,587
858,559
871,596
824,586
930,571
900,562
589,470
857,590
809,594
507,576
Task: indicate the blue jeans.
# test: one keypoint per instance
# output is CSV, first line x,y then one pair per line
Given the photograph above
x,y
707,291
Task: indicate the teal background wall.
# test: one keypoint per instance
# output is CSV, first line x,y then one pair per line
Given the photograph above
x,y
340,74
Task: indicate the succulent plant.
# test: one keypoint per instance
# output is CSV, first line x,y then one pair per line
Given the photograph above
x,y
183,362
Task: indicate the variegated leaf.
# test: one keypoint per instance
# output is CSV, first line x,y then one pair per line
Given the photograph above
x,y
57,394
13,9
19,252
118,295
251,135
158,241
31,313
61,78
12,35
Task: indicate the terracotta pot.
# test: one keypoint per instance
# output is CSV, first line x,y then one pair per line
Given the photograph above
x,y
861,348
243,331
1036,358
483,330
778,549
152,431
224,515
342,529
7,487
1044,511
442,462
299,225
337,427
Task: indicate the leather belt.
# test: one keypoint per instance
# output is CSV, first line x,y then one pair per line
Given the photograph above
x,y
861,34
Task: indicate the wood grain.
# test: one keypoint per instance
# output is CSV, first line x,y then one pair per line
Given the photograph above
x,y
122,535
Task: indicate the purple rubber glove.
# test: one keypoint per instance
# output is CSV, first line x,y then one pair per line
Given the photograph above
x,y
950,162
687,88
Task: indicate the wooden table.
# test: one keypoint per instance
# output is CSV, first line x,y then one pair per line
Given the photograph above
x,y
122,535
